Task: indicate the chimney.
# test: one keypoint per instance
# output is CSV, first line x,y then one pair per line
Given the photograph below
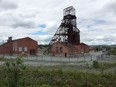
x,y
9,39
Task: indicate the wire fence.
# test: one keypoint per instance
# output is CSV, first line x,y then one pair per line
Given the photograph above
x,y
48,58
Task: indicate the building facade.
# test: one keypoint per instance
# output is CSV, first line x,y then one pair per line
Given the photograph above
x,y
22,46
68,50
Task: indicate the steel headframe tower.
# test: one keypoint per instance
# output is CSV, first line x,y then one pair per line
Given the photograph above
x,y
67,31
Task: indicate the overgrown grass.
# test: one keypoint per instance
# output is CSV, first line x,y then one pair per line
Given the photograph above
x,y
44,77
16,74
104,65
113,52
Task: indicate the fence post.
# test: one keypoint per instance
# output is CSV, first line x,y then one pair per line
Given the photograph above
x,y
77,58
51,58
84,58
90,57
60,58
36,57
42,57
69,59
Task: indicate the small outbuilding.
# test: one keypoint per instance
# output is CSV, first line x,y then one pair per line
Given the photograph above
x,y
67,50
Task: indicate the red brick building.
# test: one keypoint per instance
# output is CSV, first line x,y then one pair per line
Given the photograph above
x,y
24,46
66,49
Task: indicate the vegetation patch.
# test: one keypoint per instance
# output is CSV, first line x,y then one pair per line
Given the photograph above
x,y
113,51
16,74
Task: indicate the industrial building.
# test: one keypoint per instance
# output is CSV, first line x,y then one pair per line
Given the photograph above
x,y
66,40
22,46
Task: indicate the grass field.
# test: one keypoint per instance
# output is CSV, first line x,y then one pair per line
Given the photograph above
x,y
16,74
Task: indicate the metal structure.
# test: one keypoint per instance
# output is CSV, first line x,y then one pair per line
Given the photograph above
x,y
67,31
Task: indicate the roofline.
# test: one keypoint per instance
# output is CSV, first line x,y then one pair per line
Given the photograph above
x,y
18,39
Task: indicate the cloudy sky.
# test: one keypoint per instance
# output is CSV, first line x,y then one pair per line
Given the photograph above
x,y
39,19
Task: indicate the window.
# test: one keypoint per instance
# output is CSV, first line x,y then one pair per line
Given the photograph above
x,y
20,48
56,49
25,48
13,48
61,49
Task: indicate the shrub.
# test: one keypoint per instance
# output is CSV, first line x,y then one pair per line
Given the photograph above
x,y
12,72
96,64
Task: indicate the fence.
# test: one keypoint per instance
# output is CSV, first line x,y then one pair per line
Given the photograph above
x,y
54,60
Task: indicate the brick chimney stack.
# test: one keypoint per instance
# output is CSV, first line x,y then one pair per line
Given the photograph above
x,y
9,39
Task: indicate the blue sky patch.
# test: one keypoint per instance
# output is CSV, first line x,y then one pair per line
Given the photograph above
x,y
39,33
42,26
99,21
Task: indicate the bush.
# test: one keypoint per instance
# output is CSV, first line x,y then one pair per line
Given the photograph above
x,y
113,52
96,64
13,72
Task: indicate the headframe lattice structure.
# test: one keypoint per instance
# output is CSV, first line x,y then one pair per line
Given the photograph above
x,y
67,31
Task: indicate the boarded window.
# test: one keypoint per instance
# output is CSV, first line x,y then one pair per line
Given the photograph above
x,y
25,48
20,49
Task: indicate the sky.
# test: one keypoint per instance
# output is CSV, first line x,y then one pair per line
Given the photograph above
x,y
39,19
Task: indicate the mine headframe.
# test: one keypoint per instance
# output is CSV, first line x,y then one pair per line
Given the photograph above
x,y
67,31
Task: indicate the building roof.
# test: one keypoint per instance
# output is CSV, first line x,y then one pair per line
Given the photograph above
x,y
17,40
24,38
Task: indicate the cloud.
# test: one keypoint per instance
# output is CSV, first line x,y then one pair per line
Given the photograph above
x,y
24,24
40,19
7,5
17,20
110,7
